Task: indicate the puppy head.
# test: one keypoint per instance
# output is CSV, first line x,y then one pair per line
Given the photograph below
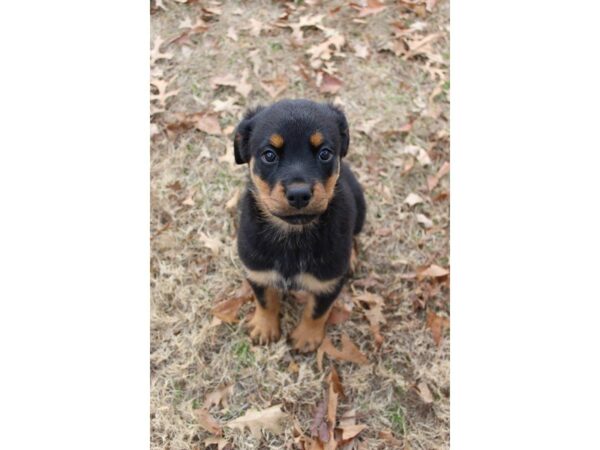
x,y
294,150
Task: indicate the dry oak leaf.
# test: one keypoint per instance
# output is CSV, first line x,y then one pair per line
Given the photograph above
x,y
413,199
418,153
227,310
275,86
207,422
424,392
437,325
433,271
351,431
361,51
326,49
211,243
161,87
330,84
156,54
423,46
349,352
433,180
219,397
334,380
305,21
241,85
373,7
256,420
424,220
374,313
231,34
209,123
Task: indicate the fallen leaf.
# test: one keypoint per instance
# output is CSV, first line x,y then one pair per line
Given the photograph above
x,y
434,271
275,86
389,438
339,314
433,180
209,123
200,26
351,431
367,126
220,442
214,244
325,50
424,220
156,54
228,105
257,420
232,34
373,312
370,281
437,324
418,153
424,392
361,51
227,310
305,21
319,425
218,397
349,352
413,199
207,422
334,380
240,84
421,46
373,7
332,403
330,84
163,95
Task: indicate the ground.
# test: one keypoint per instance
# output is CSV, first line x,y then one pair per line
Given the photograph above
x,y
387,65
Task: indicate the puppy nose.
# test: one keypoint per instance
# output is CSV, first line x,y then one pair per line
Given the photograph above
x,y
298,195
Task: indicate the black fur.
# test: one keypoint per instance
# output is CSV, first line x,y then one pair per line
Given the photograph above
x,y
322,248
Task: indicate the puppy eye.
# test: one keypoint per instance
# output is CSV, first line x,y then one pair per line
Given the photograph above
x,y
269,156
325,154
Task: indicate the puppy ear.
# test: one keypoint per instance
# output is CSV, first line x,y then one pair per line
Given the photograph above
x,y
242,136
343,126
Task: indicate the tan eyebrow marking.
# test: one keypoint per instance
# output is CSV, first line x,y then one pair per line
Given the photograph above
x,y
276,140
316,139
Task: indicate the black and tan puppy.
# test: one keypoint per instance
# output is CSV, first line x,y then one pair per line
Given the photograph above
x,y
299,213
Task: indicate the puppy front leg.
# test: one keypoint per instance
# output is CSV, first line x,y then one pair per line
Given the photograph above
x,y
310,332
264,325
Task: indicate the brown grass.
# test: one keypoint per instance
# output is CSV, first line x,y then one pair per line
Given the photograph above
x,y
194,261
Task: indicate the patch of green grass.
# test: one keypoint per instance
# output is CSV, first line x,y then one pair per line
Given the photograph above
x,y
276,46
397,417
243,353
178,387
196,404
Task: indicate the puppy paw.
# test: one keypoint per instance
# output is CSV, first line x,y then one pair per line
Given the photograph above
x,y
264,328
306,338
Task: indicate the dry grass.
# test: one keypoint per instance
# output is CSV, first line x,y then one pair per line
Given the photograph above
x,y
194,261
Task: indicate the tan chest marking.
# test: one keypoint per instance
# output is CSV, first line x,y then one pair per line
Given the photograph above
x,y
302,281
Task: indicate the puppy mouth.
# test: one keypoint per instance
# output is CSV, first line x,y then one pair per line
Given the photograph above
x,y
298,219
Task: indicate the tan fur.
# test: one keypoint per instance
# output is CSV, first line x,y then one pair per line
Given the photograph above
x,y
312,284
264,324
303,281
273,202
310,332
276,140
316,139
263,277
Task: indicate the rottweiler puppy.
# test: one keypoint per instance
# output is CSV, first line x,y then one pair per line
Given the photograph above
x,y
299,213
